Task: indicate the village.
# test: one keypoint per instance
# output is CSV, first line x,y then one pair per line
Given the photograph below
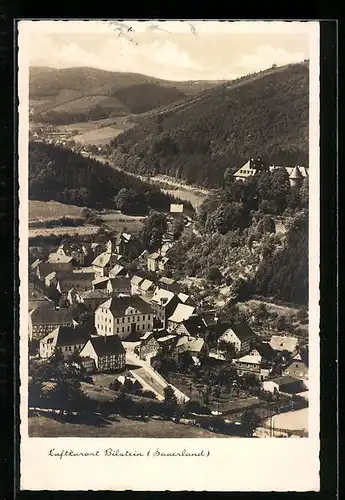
x,y
136,330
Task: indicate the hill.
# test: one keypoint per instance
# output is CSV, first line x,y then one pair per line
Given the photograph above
x,y
263,115
56,173
72,95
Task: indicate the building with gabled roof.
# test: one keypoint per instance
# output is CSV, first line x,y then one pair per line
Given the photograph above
x,y
117,271
152,261
164,303
285,384
281,343
92,298
119,285
123,315
241,336
179,316
107,353
68,339
104,262
46,318
135,284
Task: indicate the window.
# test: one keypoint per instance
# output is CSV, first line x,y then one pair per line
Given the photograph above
x,y
138,326
123,320
69,347
101,327
128,319
127,328
133,319
123,329
117,320
148,316
143,317
105,328
117,330
138,318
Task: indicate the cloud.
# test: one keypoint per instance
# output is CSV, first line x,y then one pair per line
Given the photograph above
x,y
265,55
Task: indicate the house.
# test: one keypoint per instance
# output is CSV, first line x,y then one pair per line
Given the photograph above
x,y
123,315
81,282
100,284
167,342
78,254
149,347
46,318
92,298
176,208
285,384
72,296
142,259
117,271
135,284
60,262
241,336
184,298
179,316
67,339
107,353
194,346
282,343
152,262
194,326
116,286
169,284
104,262
266,351
124,243
252,363
297,369
296,178
249,169
163,304
51,279
163,263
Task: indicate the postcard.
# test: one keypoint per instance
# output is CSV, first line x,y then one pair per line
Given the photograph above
x,y
169,255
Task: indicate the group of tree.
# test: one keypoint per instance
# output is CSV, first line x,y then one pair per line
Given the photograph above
x,y
56,173
267,115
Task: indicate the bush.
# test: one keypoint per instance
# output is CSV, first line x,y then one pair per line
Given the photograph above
x,y
148,394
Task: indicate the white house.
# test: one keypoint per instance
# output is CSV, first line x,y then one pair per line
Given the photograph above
x,y
241,336
179,316
123,316
67,339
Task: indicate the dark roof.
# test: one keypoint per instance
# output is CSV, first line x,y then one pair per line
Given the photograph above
x,y
194,324
243,331
266,351
120,282
47,314
119,305
106,345
68,335
285,380
218,328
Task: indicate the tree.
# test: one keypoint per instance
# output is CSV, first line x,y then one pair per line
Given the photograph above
x,y
250,421
304,193
214,275
154,228
178,227
170,400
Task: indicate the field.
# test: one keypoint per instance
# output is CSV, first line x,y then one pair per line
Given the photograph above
x,y
40,210
60,231
98,136
113,427
117,220
292,420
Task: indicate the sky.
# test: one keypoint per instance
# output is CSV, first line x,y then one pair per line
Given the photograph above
x,y
172,50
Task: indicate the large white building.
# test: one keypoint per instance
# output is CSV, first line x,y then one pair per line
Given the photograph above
x,y
123,316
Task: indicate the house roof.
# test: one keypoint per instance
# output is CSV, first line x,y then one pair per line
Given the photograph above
x,y
166,338
218,328
54,258
192,345
119,305
106,345
146,285
162,297
154,256
68,335
36,263
266,351
181,313
296,174
166,281
136,279
252,358
117,269
102,259
120,282
47,314
297,369
94,294
51,275
100,281
183,297
194,324
283,343
284,380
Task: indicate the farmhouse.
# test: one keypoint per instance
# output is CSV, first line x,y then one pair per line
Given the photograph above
x,y
123,316
152,261
107,353
241,336
46,318
149,347
297,369
103,263
67,339
60,262
93,298
169,284
117,271
116,286
135,284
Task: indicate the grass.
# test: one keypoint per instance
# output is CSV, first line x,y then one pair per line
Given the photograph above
x,y
115,426
51,210
98,136
121,222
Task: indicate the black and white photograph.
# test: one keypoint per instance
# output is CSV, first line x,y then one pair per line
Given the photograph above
x,y
169,238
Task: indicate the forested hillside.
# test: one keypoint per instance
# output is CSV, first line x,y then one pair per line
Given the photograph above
x,y
56,173
263,115
72,95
